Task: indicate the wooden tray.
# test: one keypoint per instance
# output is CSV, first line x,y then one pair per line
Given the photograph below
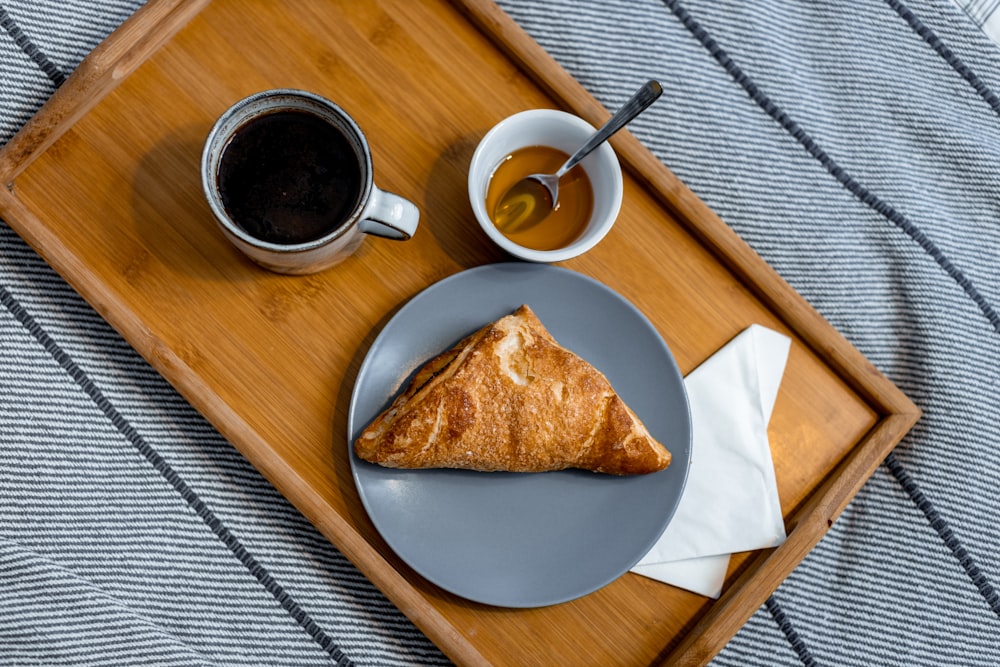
x,y
103,183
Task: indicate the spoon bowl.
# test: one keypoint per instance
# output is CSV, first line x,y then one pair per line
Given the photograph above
x,y
528,202
534,197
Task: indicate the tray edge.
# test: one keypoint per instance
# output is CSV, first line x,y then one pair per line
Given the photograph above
x,y
117,56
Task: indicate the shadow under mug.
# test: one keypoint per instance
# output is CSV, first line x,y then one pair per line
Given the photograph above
x,y
374,212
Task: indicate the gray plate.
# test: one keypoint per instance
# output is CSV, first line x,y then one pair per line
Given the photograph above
x,y
524,540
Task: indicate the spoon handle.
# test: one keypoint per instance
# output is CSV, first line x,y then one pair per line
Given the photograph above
x,y
643,97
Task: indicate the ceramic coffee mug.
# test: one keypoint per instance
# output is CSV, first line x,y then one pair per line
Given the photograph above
x,y
565,132
288,176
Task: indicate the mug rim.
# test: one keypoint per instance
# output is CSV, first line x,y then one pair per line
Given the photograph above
x,y
479,171
242,112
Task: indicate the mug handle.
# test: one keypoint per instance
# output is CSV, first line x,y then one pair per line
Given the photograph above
x,y
390,216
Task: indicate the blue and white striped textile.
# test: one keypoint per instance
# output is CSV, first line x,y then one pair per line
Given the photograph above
x,y
855,146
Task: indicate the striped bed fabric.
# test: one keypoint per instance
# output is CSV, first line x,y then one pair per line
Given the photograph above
x,y
855,146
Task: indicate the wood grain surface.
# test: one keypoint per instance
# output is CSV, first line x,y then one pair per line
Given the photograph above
x,y
104,184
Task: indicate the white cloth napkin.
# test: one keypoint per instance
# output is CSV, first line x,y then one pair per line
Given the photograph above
x,y
730,501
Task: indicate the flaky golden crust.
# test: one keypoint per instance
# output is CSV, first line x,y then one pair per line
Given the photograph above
x,y
509,397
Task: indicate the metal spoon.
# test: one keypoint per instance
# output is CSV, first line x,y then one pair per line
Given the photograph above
x,y
532,198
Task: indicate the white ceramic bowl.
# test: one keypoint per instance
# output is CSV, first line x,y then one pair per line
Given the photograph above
x,y
563,131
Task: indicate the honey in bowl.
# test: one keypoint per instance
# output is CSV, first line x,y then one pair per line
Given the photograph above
x,y
568,219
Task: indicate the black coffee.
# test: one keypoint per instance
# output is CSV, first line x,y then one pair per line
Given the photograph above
x,y
289,177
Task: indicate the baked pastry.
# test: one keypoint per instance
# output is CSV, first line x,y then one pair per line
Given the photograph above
x,y
509,397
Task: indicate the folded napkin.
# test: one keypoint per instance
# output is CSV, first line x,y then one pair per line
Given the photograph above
x,y
730,502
